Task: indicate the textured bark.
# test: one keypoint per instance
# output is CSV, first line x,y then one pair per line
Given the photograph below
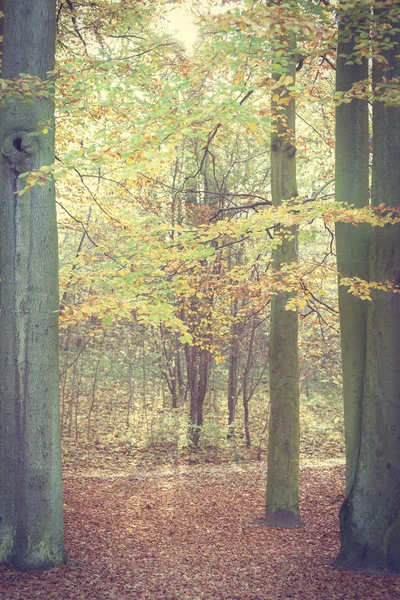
x,y
1,27
31,525
370,517
282,506
352,243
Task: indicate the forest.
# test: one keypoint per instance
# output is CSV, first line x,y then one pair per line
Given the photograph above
x,y
199,299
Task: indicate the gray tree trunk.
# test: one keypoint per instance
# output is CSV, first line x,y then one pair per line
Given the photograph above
x,y
352,243
282,505
1,26
31,525
234,356
370,516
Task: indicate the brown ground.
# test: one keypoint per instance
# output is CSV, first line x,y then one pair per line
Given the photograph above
x,y
189,532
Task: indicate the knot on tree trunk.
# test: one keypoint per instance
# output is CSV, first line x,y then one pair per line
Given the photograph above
x,y
291,150
276,145
18,149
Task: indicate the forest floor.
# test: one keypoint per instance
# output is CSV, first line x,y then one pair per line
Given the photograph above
x,y
190,532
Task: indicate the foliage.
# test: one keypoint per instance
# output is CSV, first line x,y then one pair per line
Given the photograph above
x,y
163,188
163,185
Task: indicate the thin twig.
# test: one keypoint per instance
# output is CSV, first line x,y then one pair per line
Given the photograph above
x,y
81,223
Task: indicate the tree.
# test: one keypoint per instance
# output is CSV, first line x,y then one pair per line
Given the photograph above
x,y
352,243
31,525
175,178
233,366
282,506
369,517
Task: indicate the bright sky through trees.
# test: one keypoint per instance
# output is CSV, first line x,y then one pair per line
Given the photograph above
x,y
181,21
180,24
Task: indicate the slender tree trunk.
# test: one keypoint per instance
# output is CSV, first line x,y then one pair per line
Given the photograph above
x,y
282,506
198,372
172,373
370,516
174,387
131,386
182,389
31,524
246,391
352,243
232,388
234,353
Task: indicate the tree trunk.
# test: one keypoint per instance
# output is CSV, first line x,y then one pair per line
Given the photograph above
x,y
370,517
198,373
174,387
182,388
282,506
232,388
234,353
31,525
352,243
250,384
2,7
246,392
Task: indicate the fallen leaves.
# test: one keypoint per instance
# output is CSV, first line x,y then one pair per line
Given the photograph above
x,y
190,532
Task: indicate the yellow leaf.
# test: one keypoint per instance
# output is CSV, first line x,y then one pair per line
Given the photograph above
x,y
288,80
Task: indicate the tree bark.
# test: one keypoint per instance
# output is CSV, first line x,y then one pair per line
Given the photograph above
x,y
1,28
31,525
370,516
247,389
282,505
352,243
198,361
234,355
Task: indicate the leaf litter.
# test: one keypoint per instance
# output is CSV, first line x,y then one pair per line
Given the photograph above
x,y
191,533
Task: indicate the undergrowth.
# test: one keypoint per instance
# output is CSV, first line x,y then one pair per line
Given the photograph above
x,y
163,439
